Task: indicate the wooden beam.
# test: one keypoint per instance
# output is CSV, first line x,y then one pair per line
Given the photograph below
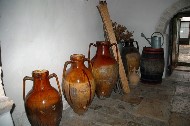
x,y
102,7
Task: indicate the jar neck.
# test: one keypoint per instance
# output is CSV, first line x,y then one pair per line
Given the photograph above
x,y
41,80
128,44
77,60
103,49
78,64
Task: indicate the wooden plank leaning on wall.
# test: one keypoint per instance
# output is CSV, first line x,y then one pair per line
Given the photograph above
x,y
102,7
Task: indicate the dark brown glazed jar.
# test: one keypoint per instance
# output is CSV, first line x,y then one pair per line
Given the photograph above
x,y
130,56
43,103
105,68
78,84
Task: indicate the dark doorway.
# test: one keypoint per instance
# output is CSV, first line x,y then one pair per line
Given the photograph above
x,y
179,42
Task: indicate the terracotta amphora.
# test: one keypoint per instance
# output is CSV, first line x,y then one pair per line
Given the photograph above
x,y
43,103
78,84
105,68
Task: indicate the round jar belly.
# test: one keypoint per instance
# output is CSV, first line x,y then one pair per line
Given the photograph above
x,y
78,84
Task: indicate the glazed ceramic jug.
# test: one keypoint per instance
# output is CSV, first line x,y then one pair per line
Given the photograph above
x,y
105,68
78,84
43,103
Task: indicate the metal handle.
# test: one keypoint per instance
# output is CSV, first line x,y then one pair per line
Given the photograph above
x,y
24,81
160,34
54,75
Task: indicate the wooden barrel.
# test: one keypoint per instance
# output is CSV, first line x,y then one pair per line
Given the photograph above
x,y
152,65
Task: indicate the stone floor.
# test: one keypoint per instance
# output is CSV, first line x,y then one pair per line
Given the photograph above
x,y
165,104
184,53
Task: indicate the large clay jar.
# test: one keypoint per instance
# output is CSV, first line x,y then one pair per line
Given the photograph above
x,y
130,56
105,68
78,84
43,103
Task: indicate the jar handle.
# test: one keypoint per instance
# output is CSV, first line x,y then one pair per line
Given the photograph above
x,y
24,82
65,66
54,75
64,70
137,44
89,49
114,44
89,63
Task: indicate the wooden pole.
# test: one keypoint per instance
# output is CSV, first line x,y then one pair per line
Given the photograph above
x,y
102,7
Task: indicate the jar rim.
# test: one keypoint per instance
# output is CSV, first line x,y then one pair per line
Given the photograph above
x,y
77,57
40,71
103,42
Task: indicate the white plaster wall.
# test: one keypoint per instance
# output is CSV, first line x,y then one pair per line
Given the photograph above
x,y
140,16
42,34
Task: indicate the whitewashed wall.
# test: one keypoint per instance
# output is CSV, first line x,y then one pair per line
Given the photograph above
x,y
42,34
140,16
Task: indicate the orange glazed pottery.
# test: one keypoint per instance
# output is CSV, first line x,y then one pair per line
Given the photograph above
x,y
78,84
105,68
43,103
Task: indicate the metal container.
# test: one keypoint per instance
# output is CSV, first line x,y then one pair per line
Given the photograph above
x,y
156,41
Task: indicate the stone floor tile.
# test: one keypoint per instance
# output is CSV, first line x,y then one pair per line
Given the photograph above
x,y
177,119
145,121
131,123
160,94
154,108
90,118
181,104
180,76
182,90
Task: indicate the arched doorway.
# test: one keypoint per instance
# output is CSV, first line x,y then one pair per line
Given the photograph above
x,y
163,26
179,41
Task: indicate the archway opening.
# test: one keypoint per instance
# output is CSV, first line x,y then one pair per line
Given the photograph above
x,y
179,38
163,26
